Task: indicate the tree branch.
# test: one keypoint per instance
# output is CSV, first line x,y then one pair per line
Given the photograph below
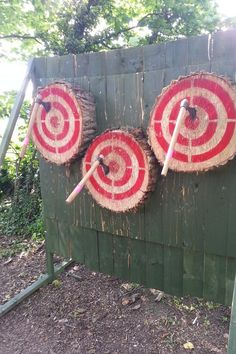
x,y
19,36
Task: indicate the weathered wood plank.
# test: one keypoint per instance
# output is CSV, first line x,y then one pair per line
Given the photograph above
x,y
64,212
172,215
65,239
52,235
78,252
230,278
223,47
96,64
176,53
155,265
133,114
173,270
153,219
85,246
121,257
115,101
98,89
193,273
48,184
138,261
152,86
154,57
214,278
124,61
173,73
199,50
216,210
225,68
105,242
193,204
232,329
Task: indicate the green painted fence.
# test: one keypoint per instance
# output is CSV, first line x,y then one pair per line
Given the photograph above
x,y
183,240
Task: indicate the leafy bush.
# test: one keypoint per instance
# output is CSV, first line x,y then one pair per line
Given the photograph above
x,y
20,198
21,204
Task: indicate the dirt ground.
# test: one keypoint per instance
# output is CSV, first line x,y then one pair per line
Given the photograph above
x,y
87,312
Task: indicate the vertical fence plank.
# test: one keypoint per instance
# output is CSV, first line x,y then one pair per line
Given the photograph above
x,y
214,278
138,261
155,265
106,261
232,330
193,273
121,257
173,270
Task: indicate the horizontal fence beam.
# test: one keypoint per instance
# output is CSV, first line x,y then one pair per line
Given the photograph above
x,y
42,280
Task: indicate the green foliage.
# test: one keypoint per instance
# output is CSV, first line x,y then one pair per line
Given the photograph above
x,y
71,26
6,102
95,25
21,206
20,199
22,23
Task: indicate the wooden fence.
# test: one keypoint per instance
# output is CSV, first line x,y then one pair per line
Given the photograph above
x,y
183,240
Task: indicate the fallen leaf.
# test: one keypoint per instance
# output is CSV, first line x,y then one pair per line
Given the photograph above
x,y
154,292
56,283
125,301
159,296
136,307
78,312
188,345
127,286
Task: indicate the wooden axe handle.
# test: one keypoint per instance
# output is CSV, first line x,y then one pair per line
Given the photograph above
x,y
183,105
30,128
81,184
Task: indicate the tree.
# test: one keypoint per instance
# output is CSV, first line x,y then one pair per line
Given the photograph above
x,y
72,26
23,23
94,25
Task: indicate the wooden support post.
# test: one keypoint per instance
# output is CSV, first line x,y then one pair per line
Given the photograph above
x,y
232,329
15,113
50,265
42,280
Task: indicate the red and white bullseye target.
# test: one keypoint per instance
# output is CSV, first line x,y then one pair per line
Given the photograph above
x,y
206,141
130,161
59,133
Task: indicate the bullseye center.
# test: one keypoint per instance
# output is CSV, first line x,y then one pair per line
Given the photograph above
x,y
54,121
191,123
114,166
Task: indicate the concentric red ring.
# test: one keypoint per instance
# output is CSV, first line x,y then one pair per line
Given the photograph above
x,y
61,140
211,139
128,178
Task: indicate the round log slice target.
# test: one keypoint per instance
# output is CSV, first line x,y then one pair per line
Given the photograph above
x,y
132,169
205,141
63,131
